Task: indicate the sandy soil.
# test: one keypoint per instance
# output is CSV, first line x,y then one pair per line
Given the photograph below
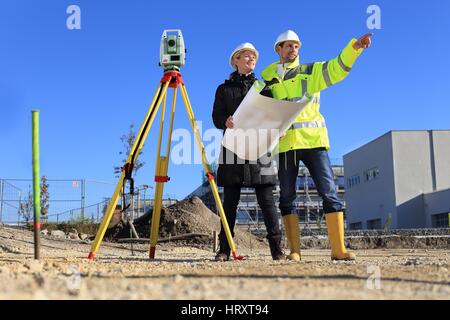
x,y
190,273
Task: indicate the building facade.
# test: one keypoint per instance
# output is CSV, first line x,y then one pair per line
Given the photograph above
x,y
399,180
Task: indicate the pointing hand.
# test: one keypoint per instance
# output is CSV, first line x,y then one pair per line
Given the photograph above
x,y
364,42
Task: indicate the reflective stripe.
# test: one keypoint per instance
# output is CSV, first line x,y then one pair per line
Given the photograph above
x,y
297,99
326,75
292,73
307,68
304,87
343,66
311,124
300,69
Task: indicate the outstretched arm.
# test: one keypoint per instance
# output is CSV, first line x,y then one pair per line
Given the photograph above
x,y
328,73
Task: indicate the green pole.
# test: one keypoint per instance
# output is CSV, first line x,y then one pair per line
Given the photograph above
x,y
36,183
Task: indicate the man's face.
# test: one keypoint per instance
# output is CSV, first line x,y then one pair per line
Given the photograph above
x,y
245,61
288,51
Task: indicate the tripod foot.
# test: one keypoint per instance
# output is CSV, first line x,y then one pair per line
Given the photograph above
x,y
91,256
237,257
152,252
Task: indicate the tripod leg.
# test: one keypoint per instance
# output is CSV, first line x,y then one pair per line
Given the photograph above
x,y
162,164
161,170
207,169
137,146
107,217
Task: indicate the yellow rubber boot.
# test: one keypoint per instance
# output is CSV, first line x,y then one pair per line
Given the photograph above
x,y
293,236
335,224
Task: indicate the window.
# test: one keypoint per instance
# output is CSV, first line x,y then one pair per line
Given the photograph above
x,y
353,181
340,182
303,182
356,226
374,224
371,174
440,220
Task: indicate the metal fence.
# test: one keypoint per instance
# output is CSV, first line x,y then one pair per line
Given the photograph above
x,y
10,200
65,195
92,213
68,199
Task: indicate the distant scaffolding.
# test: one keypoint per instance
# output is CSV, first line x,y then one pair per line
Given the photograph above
x,y
308,203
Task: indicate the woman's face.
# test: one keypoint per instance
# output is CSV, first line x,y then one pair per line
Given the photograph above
x,y
245,61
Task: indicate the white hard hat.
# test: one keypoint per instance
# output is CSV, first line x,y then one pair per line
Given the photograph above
x,y
243,47
288,35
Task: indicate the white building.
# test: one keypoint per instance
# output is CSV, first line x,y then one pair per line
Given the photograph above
x,y
399,180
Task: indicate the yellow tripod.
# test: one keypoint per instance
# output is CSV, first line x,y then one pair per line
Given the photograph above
x,y
173,80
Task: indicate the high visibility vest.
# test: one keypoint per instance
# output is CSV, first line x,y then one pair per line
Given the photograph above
x,y
309,129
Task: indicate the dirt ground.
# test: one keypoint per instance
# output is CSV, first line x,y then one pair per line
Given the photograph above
x,y
181,272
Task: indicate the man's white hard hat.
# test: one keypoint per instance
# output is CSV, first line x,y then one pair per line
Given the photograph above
x,y
288,35
243,47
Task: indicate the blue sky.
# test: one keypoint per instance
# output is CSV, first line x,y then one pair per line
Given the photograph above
x,y
91,84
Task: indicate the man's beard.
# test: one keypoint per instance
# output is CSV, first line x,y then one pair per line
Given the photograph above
x,y
288,60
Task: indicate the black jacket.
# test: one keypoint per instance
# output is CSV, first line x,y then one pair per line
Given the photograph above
x,y
229,96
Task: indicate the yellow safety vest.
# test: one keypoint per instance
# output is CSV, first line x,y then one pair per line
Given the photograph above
x,y
308,130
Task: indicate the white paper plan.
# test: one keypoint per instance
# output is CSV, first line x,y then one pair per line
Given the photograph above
x,y
258,123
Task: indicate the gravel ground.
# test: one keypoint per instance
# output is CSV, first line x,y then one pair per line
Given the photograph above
x,y
372,233
190,273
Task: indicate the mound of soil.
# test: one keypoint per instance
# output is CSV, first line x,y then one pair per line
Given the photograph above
x,y
189,216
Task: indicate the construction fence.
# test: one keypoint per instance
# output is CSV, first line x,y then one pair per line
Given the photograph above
x,y
70,200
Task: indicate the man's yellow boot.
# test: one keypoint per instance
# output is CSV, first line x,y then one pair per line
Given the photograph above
x,y
335,224
293,236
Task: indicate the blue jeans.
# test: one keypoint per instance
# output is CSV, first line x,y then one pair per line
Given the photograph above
x,y
319,166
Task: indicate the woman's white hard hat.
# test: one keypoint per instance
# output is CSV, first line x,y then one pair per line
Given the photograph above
x,y
243,47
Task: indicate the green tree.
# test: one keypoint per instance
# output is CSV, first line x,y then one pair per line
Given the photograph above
x,y
26,207
127,143
45,197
